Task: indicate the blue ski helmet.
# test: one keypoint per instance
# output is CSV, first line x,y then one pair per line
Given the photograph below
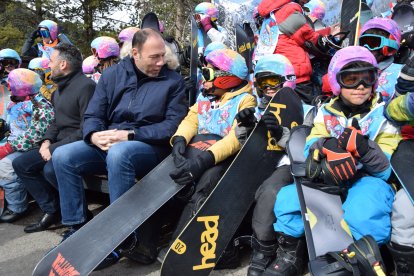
x,y
51,26
229,61
215,45
276,64
10,54
345,56
207,8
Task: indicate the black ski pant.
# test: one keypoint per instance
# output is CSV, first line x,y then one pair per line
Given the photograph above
x,y
263,214
204,186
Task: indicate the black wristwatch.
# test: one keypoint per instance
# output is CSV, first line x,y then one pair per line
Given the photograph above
x,y
131,135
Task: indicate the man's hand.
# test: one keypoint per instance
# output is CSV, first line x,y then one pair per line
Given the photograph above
x,y
45,151
107,138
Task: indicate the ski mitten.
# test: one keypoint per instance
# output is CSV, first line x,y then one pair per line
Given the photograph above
x,y
193,168
206,23
353,141
275,129
5,150
245,117
178,150
339,165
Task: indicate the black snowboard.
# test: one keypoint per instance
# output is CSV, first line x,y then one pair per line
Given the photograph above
x,y
402,163
245,43
193,61
325,229
87,247
200,244
150,20
350,16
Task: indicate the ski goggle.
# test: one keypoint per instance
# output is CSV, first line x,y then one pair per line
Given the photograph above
x,y
352,78
44,33
209,74
6,63
375,42
274,82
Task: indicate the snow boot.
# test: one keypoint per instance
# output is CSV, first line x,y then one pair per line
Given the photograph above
x,y
403,258
289,257
263,253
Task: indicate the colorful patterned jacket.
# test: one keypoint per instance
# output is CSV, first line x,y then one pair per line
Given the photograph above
x,y
229,145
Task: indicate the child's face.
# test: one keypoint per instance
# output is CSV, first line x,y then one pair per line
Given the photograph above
x,y
358,95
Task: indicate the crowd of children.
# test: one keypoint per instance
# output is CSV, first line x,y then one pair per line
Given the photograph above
x,y
366,111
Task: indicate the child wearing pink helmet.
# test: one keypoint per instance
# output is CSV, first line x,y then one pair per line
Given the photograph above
x,y
349,134
29,115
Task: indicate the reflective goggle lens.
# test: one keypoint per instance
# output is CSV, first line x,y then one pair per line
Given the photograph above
x,y
209,74
352,78
269,81
372,42
44,33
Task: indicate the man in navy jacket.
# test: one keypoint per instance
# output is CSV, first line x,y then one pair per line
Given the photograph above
x,y
136,108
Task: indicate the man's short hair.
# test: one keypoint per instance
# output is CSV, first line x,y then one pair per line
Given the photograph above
x,y
141,37
71,54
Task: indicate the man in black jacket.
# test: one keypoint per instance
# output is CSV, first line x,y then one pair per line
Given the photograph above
x,y
35,168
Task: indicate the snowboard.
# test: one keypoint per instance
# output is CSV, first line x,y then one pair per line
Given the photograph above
x,y
350,17
202,241
245,43
402,164
366,14
193,61
150,20
325,229
87,247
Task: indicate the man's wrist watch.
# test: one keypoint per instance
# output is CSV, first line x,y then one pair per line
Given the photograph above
x,y
131,135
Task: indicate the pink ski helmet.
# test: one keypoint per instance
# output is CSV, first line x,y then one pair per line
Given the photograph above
x,y
39,63
104,47
24,82
229,61
89,64
316,9
51,26
207,8
127,34
342,58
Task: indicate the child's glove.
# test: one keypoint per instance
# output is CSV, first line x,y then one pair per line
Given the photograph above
x,y
193,168
353,141
272,124
339,165
245,117
5,150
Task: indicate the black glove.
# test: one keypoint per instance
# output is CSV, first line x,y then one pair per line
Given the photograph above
x,y
246,117
322,44
272,125
193,168
353,141
179,145
35,34
190,84
407,72
4,129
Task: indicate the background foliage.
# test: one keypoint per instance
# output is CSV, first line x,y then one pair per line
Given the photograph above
x,y
83,20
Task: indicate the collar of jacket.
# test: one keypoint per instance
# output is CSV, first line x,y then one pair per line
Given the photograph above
x,y
129,65
63,81
338,107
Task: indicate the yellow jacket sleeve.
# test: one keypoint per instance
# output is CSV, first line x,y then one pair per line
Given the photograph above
x,y
229,145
